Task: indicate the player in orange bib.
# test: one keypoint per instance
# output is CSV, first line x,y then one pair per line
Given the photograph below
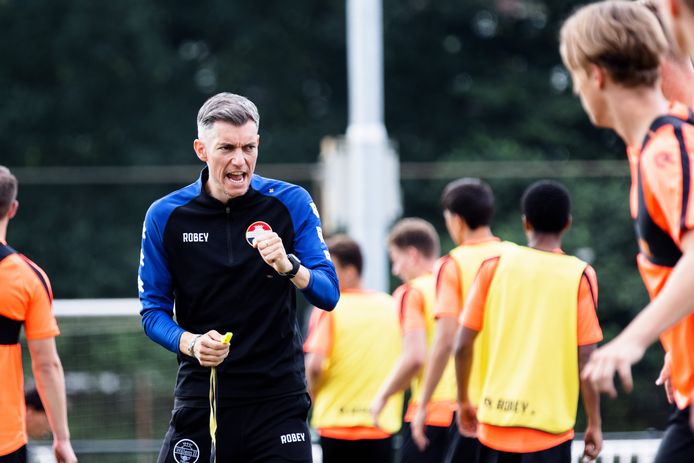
x,y
614,51
349,353
531,314
677,84
25,300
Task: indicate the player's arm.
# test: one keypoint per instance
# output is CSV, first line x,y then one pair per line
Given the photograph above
x,y
448,305
317,347
464,349
314,369
591,405
407,366
440,353
50,383
413,355
589,334
664,378
674,302
471,323
441,350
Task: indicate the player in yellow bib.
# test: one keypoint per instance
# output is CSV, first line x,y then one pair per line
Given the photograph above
x,y
349,353
536,309
413,246
468,207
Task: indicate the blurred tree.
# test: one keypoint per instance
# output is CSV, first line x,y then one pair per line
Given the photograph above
x,y
100,84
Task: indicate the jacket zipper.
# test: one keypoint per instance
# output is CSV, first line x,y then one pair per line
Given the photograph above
x,y
229,253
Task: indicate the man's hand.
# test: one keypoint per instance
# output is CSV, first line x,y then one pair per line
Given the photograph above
x,y
63,451
616,356
674,302
210,350
664,379
376,408
467,419
271,249
418,428
593,443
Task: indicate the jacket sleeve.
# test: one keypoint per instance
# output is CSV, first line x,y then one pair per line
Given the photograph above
x,y
322,290
155,285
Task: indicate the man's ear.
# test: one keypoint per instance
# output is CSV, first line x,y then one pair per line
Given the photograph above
x,y
460,222
568,224
526,225
598,75
12,211
200,150
413,253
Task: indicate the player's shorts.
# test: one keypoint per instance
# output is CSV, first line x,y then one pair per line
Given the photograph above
x,y
272,431
445,445
357,451
559,454
461,448
18,456
677,445
434,452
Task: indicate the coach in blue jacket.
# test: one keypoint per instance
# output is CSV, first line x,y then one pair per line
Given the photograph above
x,y
229,251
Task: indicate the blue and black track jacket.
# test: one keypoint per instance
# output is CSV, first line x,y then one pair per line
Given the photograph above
x,y
195,251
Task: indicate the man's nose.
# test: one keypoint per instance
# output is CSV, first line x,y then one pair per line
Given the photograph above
x,y
237,157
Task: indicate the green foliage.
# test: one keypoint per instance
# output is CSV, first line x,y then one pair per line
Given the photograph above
x,y
100,84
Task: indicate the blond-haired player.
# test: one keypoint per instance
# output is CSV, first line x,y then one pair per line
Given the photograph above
x,y
614,51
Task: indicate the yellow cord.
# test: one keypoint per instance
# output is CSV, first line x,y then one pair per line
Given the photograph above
x,y
226,339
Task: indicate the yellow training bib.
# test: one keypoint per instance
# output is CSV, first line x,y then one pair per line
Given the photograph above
x,y
530,349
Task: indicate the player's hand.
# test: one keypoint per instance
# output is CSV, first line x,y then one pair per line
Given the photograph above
x,y
62,449
418,428
593,443
376,408
467,419
664,379
210,350
271,249
616,356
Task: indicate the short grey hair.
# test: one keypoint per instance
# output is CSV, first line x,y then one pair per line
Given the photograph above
x,y
227,107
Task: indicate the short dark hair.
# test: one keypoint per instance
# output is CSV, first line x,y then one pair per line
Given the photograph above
x,y
416,233
8,190
346,251
471,199
33,400
546,205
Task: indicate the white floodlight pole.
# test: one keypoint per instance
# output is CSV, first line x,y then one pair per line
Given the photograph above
x,y
367,140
